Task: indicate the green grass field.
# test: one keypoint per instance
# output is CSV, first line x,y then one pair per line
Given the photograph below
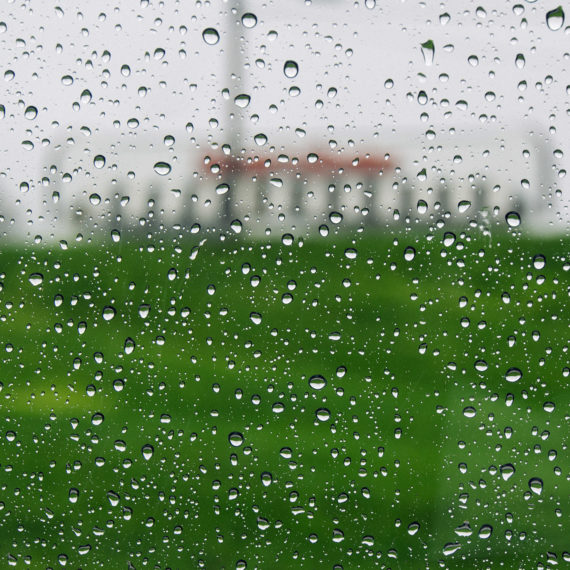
x,y
411,437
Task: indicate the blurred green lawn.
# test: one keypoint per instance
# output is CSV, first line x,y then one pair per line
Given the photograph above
x,y
405,347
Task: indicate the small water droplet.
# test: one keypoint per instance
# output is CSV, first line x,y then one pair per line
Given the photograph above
x,y
109,313
555,19
323,414
469,412
463,206
99,161
31,112
428,51
266,478
287,239
249,20
413,528
485,531
513,375
144,310
235,438
129,346
236,226
324,230
222,188
162,168
317,382
513,219
290,69
409,253
507,471
255,318
335,217
260,139
211,36
36,279
536,485
451,548
539,261
95,199
147,451
242,100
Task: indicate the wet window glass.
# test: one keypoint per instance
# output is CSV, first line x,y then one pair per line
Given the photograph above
x,y
284,284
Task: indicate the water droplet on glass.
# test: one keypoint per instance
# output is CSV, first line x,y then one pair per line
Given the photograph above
x,y
99,161
536,485
520,61
290,69
324,230
31,112
413,528
260,139
463,206
335,217
317,382
222,188
513,219
485,531
255,318
323,414
109,313
147,451
287,239
242,100
451,548
539,261
249,20
95,199
507,471
36,279
235,438
513,375
266,478
144,310
428,51
211,36
129,346
409,253
162,168
469,412
236,226
555,18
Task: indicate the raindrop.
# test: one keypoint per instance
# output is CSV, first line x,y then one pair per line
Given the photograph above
x,y
31,112
520,61
317,382
290,69
260,139
555,18
536,485
324,230
413,528
95,199
236,226
266,478
144,310
222,188
409,253
242,100
428,51
67,80
147,451
323,414
485,531
162,168
249,20
335,217
463,206
513,219
469,412
539,261
211,36
235,438
255,318
36,279
513,375
350,253
129,346
109,313
507,471
451,548
99,161
287,239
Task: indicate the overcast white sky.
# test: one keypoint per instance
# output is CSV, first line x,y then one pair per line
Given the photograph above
x,y
363,60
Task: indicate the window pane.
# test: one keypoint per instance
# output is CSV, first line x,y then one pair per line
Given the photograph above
x,y
284,284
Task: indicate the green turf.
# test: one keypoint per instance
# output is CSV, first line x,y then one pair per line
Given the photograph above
x,y
405,346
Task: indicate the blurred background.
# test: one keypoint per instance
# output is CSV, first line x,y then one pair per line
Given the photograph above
x,y
284,284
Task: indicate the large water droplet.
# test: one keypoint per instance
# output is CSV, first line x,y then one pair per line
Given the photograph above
x,y
242,100
162,168
323,414
249,20
31,112
36,279
513,219
555,18
409,253
147,451
99,161
235,438
539,261
211,36
536,485
513,375
507,471
109,313
290,69
317,382
428,51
